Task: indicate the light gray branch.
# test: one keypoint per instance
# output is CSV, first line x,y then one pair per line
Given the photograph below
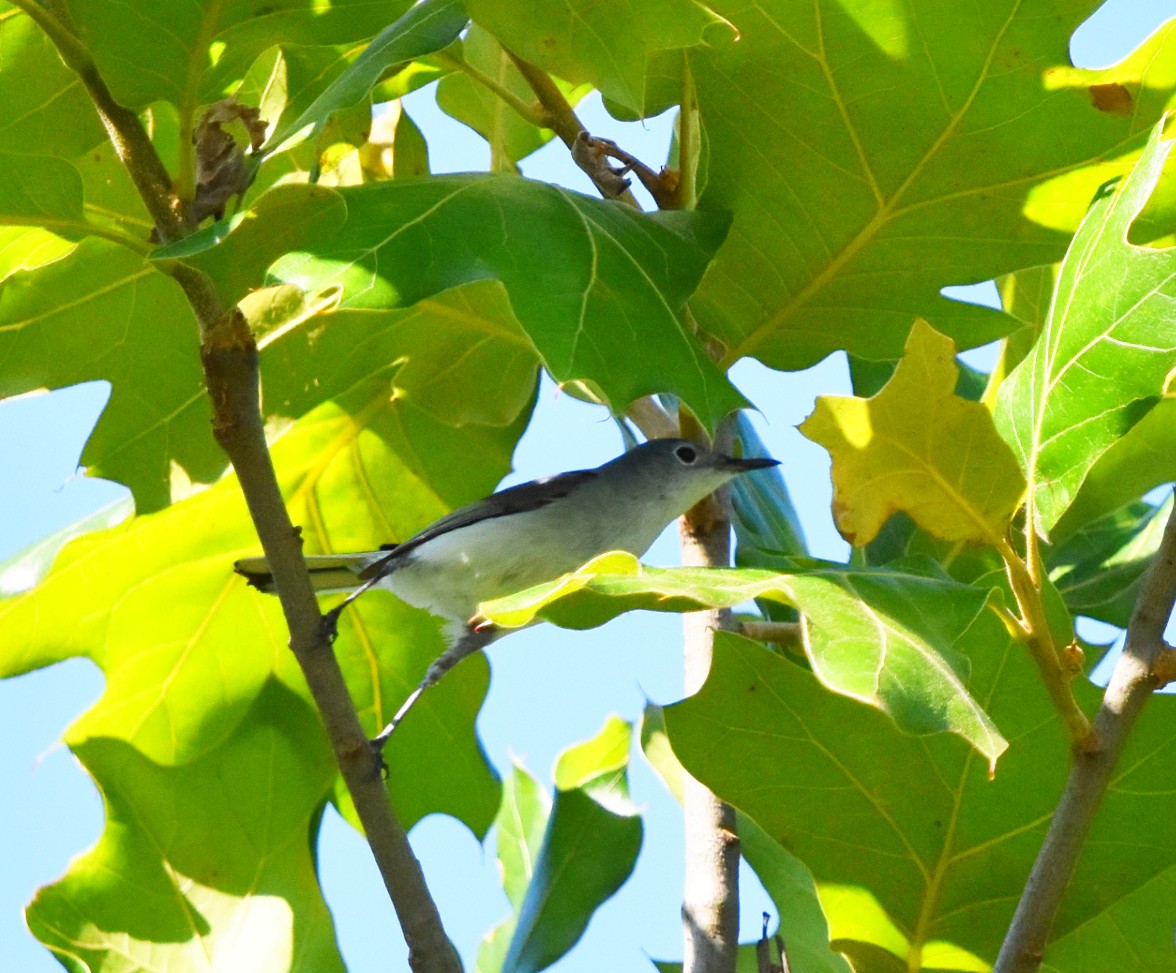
x,y
1143,667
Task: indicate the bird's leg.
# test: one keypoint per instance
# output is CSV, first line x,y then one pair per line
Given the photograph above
x,y
330,625
470,641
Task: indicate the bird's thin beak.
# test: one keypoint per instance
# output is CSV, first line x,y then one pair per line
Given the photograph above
x,y
747,463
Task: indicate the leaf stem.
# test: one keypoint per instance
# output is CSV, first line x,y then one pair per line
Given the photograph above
x,y
538,117
1050,658
1141,669
685,193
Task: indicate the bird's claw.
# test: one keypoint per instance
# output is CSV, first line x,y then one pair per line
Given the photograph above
x,y
380,765
330,625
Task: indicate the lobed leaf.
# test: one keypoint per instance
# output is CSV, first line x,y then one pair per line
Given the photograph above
x,y
784,877
919,448
606,46
889,638
192,54
1106,354
187,648
935,850
209,863
106,313
597,286
843,232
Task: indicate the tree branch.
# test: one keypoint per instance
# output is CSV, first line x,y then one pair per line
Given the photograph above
x,y
230,359
562,119
229,355
710,899
1143,667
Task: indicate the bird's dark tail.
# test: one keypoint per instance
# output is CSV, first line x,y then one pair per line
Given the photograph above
x,y
329,573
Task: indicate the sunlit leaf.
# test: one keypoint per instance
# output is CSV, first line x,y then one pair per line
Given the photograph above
x,y
885,637
784,877
589,848
597,287
1106,354
917,825
192,54
200,864
918,447
606,45
424,28
872,154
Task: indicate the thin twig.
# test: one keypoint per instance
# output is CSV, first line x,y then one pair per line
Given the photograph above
x,y
1141,669
561,117
778,633
535,115
229,355
653,421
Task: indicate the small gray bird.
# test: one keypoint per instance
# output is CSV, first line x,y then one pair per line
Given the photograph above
x,y
521,537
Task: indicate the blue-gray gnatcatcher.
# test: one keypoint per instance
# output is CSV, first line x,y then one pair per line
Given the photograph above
x,y
521,537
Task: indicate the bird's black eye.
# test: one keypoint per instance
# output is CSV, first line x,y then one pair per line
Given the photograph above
x,y
687,454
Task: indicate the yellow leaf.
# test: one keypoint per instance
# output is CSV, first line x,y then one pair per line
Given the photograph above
x,y
919,448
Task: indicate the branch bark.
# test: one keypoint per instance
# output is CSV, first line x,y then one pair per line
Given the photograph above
x,y
230,359
1142,668
710,899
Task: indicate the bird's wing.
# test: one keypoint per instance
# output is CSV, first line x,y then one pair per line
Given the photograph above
x,y
513,500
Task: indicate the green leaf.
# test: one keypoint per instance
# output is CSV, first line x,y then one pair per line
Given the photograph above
x,y
589,850
186,647
521,822
46,108
192,54
842,231
39,190
765,518
606,45
24,569
1097,571
784,877
889,638
511,137
106,313
425,27
1142,459
917,825
1106,354
483,348
597,286
200,865
919,448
